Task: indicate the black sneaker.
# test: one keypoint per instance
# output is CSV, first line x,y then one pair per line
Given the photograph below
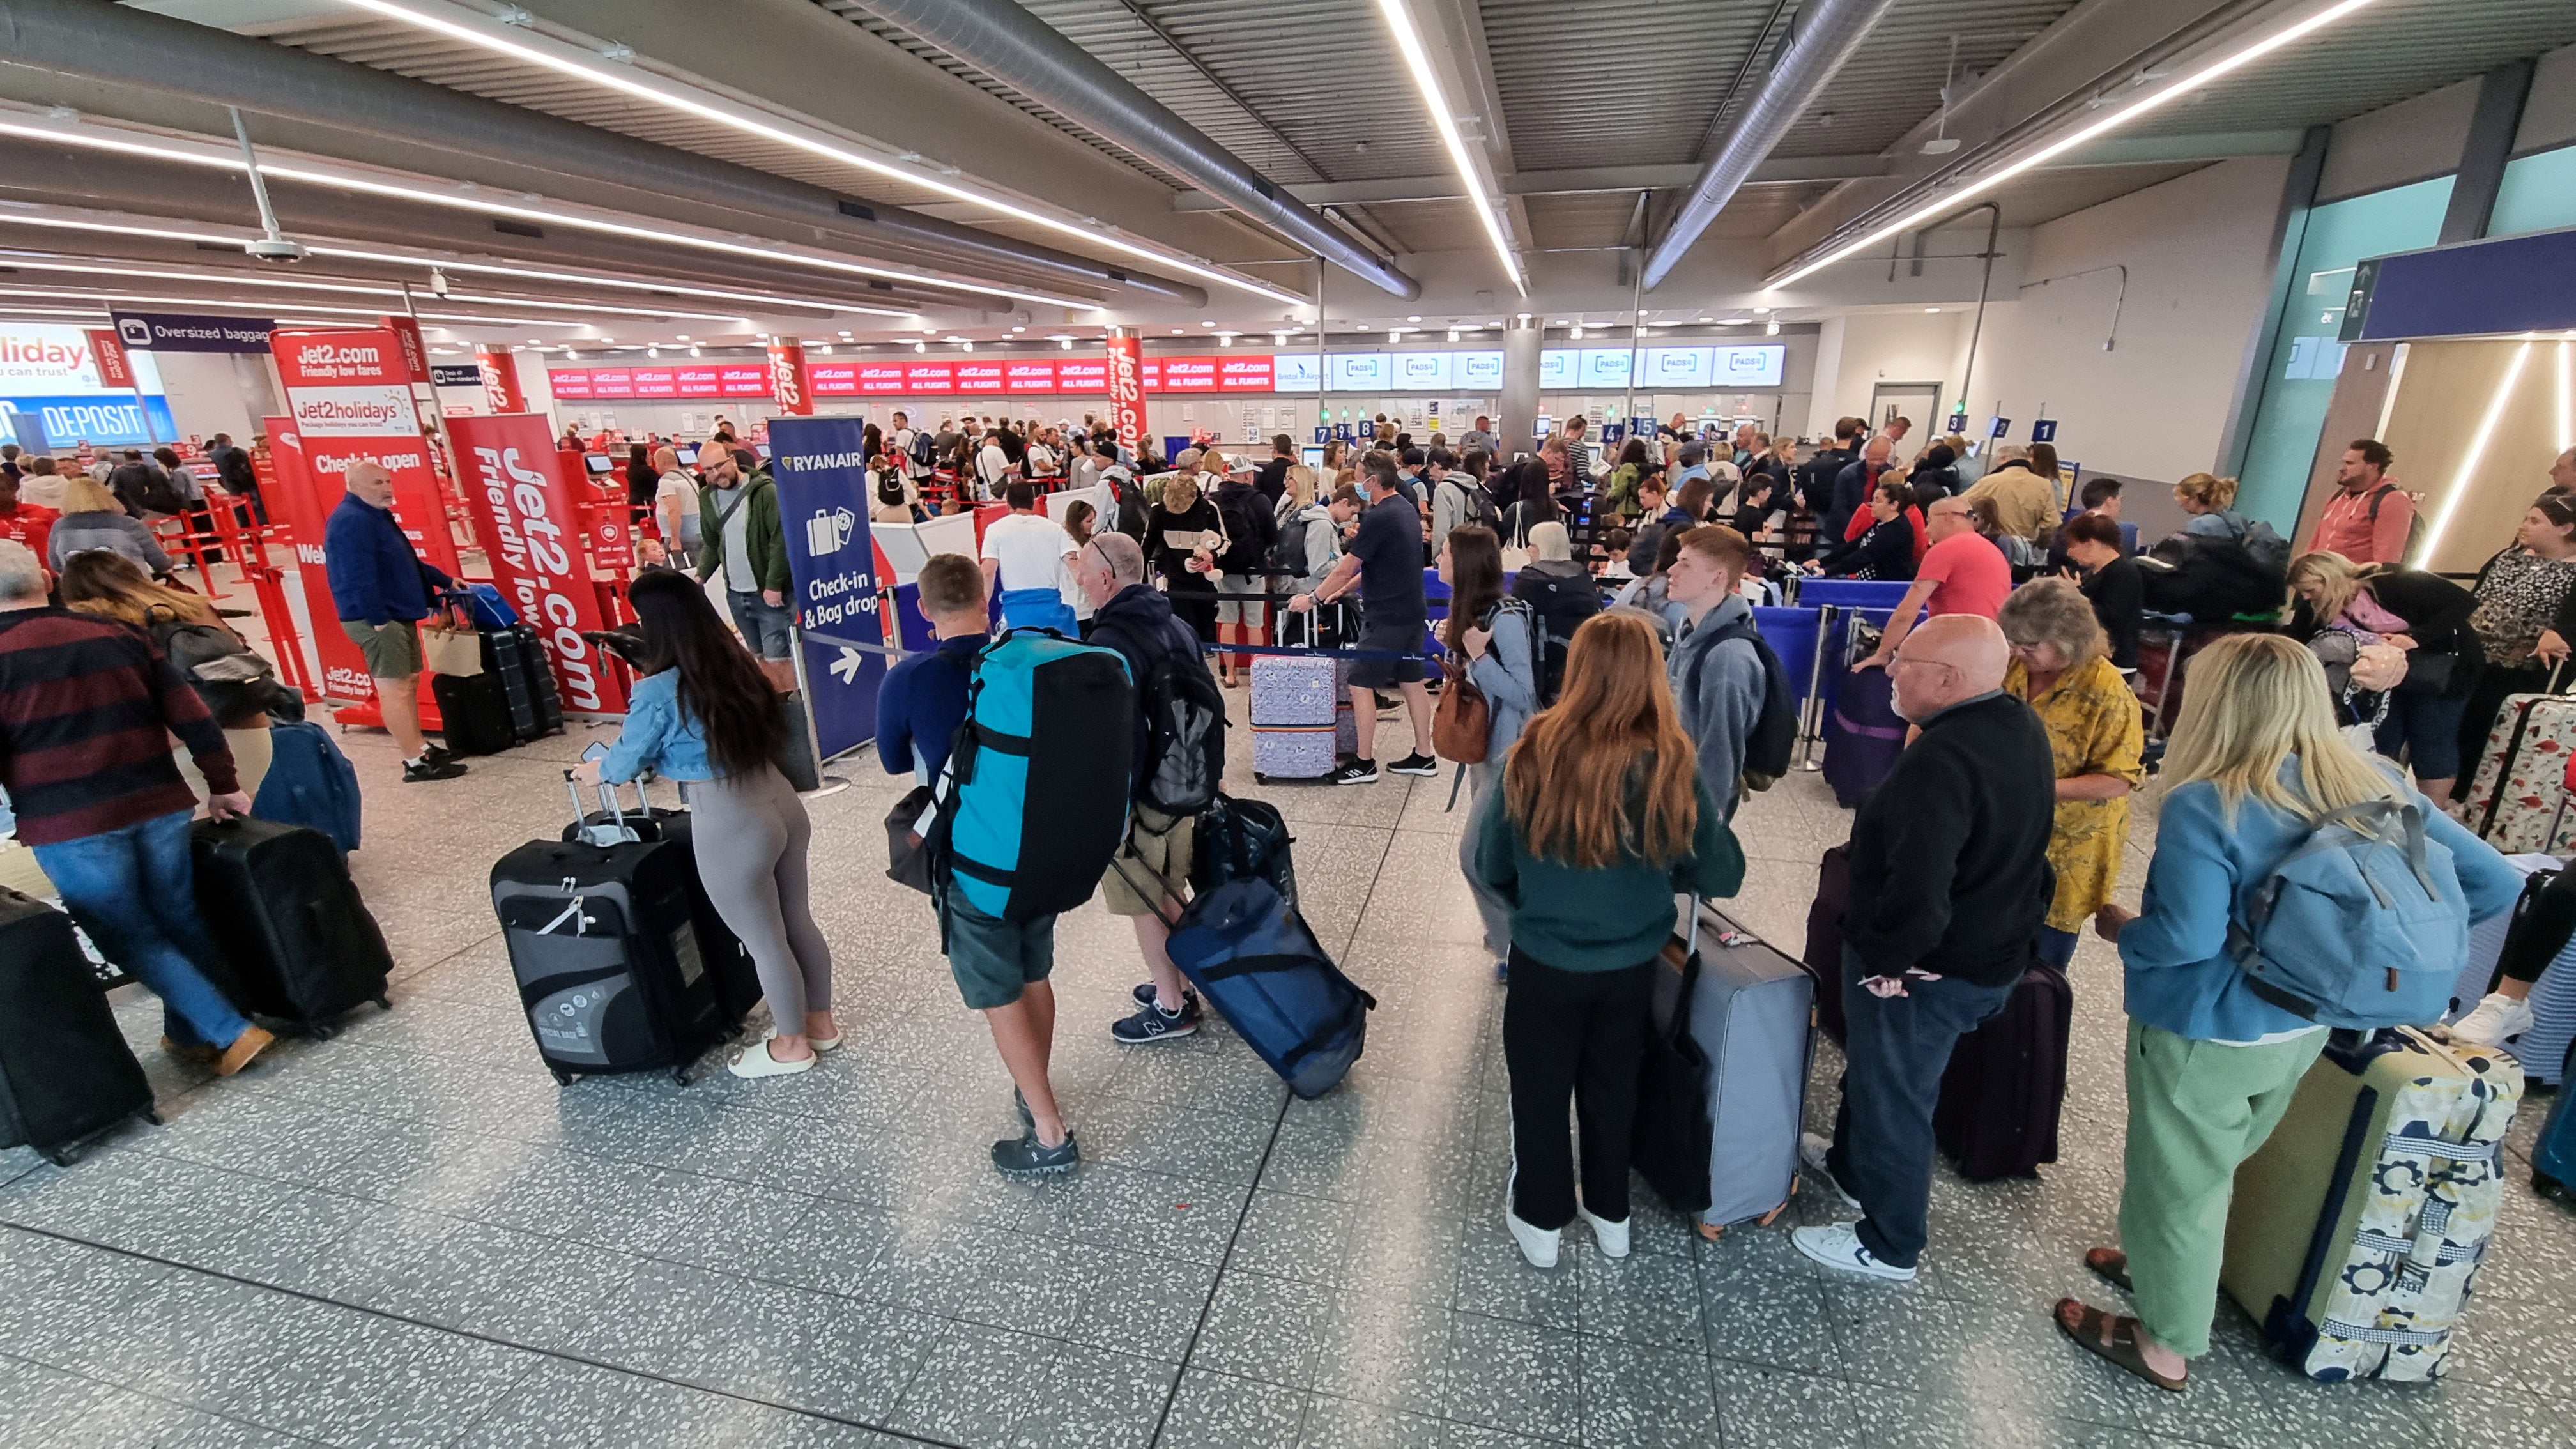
x,y
1024,1156
1154,1024
435,754
425,768
1416,763
1356,772
1146,995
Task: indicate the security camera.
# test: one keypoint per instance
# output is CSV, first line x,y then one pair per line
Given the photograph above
x,y
274,249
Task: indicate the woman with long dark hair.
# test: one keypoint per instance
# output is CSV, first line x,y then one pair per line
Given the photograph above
x,y
1603,818
703,713
642,478
1492,646
1536,505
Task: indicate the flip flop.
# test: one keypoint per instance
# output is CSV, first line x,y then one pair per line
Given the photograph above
x,y
2123,1348
2111,1266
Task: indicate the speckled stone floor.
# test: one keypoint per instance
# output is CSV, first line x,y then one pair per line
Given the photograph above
x,y
409,1235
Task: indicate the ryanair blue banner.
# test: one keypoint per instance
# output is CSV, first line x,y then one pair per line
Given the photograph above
x,y
822,478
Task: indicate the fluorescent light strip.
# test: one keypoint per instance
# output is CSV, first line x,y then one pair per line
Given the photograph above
x,y
462,200
2477,446
238,278
2566,400
633,84
300,305
1409,40
1950,200
9,216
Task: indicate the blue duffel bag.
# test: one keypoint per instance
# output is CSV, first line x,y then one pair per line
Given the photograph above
x,y
310,783
1254,959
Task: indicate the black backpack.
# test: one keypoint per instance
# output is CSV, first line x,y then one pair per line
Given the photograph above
x,y
1288,555
1240,838
924,454
1184,727
1562,604
1775,733
1247,519
233,681
1481,512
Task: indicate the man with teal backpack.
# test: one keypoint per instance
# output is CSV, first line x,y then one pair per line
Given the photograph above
x,y
1031,801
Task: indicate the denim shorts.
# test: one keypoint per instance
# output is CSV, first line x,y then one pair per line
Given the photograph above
x,y
764,626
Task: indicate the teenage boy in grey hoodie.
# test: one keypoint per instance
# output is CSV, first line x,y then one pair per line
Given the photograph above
x,y
1717,674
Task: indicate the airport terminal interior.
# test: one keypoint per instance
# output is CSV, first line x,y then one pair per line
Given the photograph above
x,y
875,268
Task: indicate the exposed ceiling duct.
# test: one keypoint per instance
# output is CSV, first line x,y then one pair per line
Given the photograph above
x,y
99,40
1024,53
1824,35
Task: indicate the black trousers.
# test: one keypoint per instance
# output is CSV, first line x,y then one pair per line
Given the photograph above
x,y
2540,930
1579,1034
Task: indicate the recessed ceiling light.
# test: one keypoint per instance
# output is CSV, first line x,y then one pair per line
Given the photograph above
x,y
1019,329
683,336
1395,334
1761,311
846,336
921,347
1176,332
1578,332
536,342
1207,324
697,352
1771,329
1068,343
1703,319
1416,317
1931,309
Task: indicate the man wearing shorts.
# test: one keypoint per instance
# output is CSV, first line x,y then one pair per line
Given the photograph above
x,y
1132,617
739,532
1384,563
381,590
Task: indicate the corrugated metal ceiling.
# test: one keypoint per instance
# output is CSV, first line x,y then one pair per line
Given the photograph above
x,y
1616,81
1895,80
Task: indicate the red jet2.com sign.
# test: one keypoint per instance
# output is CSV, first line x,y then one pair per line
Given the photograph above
x,y
532,532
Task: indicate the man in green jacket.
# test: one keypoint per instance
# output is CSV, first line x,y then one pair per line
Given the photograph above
x,y
739,532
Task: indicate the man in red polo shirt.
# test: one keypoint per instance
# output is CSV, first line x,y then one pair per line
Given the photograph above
x,y
2369,520
1961,573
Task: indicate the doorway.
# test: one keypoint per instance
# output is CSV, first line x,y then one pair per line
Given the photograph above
x,y
1920,401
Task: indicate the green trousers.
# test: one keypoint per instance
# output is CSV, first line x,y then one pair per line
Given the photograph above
x,y
2196,1110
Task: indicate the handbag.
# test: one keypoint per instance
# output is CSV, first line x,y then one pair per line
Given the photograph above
x,y
1462,723
2427,672
451,647
908,854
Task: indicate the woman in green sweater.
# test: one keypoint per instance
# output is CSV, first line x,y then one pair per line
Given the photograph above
x,y
1604,819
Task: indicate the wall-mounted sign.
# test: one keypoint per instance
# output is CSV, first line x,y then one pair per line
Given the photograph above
x,y
189,332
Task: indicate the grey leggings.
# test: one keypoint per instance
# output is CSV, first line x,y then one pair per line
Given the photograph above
x,y
750,834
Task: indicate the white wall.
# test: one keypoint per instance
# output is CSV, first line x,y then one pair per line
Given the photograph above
x,y
2156,404
210,392
1869,348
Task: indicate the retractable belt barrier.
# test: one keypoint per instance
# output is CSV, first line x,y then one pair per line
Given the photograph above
x,y
1284,651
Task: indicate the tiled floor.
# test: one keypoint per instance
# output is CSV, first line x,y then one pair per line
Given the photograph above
x,y
411,1235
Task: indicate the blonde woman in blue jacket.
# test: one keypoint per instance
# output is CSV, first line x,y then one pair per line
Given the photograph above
x,y
2256,761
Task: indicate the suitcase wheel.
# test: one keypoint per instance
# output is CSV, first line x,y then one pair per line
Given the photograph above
x,y
384,1001
562,1077
679,1076
153,1116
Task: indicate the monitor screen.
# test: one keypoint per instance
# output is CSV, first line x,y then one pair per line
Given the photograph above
x,y
1313,457
688,454
599,462
764,451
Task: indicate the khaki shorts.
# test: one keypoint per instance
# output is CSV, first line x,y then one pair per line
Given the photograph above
x,y
392,650
1156,845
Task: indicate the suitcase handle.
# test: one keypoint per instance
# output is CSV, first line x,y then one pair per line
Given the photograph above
x,y
616,831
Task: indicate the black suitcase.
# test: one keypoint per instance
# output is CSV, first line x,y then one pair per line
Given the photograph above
x,y
505,663
474,715
542,690
737,982
300,944
1823,956
66,1075
604,945
1997,1116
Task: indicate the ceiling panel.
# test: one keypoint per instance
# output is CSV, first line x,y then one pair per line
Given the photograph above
x,y
1894,81
1656,100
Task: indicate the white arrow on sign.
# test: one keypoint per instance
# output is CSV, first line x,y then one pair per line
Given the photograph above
x,y
846,668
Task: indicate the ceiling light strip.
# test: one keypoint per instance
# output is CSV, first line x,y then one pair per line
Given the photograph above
x,y
2476,450
1417,60
22,262
566,59
1950,200
468,198
128,299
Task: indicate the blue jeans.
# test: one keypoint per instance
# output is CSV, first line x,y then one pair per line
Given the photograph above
x,y
1897,1049
763,625
135,891
2057,947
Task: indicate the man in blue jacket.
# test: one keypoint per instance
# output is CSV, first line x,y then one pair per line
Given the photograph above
x,y
382,591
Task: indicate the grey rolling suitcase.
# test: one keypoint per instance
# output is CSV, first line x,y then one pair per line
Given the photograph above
x,y
1753,1016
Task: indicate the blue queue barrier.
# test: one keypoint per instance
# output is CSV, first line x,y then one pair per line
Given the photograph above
x,y
1881,594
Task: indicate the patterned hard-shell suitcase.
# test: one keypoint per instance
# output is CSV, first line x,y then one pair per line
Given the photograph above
x,y
2356,1229
2543,1049
1294,692
1293,754
2515,797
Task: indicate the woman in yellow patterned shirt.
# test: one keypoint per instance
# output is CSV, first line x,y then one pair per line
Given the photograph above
x,y
2059,666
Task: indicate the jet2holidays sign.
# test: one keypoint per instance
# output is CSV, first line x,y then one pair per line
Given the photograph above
x,y
822,479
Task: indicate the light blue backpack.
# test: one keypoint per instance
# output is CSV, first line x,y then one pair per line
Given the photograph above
x,y
2355,930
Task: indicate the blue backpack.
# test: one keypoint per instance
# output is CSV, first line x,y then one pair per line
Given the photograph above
x,y
2353,930
310,783
1035,791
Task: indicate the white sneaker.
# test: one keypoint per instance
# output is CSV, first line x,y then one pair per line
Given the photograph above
x,y
2495,1019
1838,1246
1812,1149
755,1061
1613,1237
1538,1245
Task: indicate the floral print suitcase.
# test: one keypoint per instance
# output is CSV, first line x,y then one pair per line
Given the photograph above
x,y
2517,799
2357,1229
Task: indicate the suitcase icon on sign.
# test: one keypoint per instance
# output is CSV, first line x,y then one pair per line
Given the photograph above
x,y
828,530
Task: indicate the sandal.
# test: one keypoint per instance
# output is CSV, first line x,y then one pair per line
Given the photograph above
x,y
2111,1266
2123,1347
755,1061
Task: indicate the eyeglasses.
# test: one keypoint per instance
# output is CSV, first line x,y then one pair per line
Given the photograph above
x,y
1904,659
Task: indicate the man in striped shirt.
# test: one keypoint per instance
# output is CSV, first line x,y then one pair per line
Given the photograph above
x,y
87,708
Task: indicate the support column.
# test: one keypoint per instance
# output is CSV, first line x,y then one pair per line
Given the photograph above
x,y
2289,233
2489,146
1517,410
